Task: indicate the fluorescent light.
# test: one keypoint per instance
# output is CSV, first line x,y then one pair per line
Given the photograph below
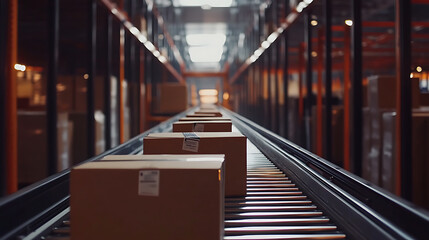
x,y
265,44
134,30
273,36
208,92
149,46
206,53
206,39
156,53
205,3
253,58
162,59
258,52
142,38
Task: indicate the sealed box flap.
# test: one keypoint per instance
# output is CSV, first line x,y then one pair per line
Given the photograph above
x,y
214,164
204,119
203,122
200,135
166,157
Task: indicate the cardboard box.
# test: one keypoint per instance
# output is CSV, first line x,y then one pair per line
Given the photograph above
x,y
173,98
216,113
147,200
202,126
204,119
232,144
199,115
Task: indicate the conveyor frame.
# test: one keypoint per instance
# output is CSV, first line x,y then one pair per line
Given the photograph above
x,y
360,209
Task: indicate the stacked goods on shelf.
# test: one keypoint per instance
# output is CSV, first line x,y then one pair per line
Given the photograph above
x,y
381,99
232,144
420,155
134,197
202,126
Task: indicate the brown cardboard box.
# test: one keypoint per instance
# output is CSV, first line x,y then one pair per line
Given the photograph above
x,y
382,91
173,98
202,126
232,144
204,119
217,114
199,115
147,200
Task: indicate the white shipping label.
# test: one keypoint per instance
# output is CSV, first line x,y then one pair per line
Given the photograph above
x,y
149,183
198,127
190,145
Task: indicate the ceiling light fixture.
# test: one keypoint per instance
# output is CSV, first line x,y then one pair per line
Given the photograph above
x,y
203,3
348,22
200,54
206,39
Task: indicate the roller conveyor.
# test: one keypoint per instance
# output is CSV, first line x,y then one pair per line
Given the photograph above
x,y
286,199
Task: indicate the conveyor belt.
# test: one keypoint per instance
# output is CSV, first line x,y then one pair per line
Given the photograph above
x,y
274,208
291,194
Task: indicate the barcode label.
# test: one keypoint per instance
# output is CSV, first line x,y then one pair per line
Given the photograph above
x,y
191,142
149,183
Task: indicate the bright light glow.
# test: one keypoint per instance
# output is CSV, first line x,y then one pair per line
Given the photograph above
x,y
226,96
348,22
411,75
301,6
314,54
150,46
134,31
85,76
314,23
20,67
265,44
308,1
206,53
419,69
156,53
258,52
114,11
206,39
61,87
205,3
142,38
253,58
273,36
208,99
280,30
162,59
291,17
208,92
